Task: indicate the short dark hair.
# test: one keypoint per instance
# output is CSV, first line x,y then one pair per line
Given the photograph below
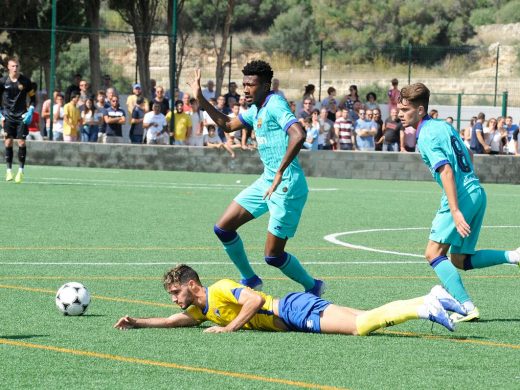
x,y
330,90
180,274
259,68
417,94
177,102
74,94
140,100
193,100
373,94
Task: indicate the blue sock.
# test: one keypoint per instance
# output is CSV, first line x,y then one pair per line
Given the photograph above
x,y
294,270
485,258
234,247
450,278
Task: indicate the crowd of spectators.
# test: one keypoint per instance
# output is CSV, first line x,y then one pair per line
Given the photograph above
x,y
335,123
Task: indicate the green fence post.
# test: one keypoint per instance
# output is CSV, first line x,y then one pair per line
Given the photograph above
x,y
459,108
53,65
409,63
504,103
496,74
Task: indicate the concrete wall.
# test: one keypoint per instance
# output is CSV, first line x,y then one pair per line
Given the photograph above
x,y
347,165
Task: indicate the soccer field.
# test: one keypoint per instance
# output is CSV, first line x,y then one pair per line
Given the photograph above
x,y
117,231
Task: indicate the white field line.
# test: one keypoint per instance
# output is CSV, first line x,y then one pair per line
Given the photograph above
x,y
130,264
333,238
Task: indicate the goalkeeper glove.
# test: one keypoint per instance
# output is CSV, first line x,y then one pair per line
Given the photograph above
x,y
27,117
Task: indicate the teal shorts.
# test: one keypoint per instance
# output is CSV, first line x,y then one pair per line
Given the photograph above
x,y
473,207
285,205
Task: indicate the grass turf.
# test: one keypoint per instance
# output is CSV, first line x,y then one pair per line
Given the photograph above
x,y
117,231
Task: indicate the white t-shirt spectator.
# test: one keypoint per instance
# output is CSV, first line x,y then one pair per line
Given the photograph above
x,y
159,122
58,124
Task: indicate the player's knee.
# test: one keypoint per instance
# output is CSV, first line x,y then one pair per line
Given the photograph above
x,y
224,235
277,261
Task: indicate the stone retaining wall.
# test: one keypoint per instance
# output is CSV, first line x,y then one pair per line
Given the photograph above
x,y
346,165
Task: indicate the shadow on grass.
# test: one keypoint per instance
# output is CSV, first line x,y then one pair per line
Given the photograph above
x,y
23,336
428,335
499,320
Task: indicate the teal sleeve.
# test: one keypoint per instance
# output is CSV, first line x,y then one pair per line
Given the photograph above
x,y
435,152
281,113
247,118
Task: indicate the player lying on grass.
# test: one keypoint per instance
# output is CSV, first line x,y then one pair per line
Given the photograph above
x,y
456,226
232,306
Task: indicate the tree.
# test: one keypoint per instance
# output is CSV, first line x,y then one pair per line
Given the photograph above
x,y
213,20
93,22
141,15
33,47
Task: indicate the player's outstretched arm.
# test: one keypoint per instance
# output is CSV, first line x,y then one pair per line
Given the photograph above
x,y
223,121
448,182
251,302
175,321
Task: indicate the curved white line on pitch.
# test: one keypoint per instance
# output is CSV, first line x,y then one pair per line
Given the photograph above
x,y
332,238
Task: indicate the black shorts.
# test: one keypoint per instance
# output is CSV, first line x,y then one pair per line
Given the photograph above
x,y
15,129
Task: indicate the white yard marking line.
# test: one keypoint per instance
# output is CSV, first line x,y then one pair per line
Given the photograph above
x,y
332,238
229,263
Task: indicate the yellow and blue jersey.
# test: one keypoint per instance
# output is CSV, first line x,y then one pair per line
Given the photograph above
x,y
222,307
440,144
270,122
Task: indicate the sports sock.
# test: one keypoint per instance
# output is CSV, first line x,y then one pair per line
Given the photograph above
x,y
392,313
450,278
293,269
234,247
485,258
9,157
22,152
513,257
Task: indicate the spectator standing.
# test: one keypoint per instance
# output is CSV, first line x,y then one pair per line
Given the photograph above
x,y
434,114
344,130
511,128
371,102
131,101
114,118
182,125
90,122
108,96
392,132
393,95
159,98
74,87
311,138
292,107
467,132
477,143
34,128
308,93
84,93
331,95
156,126
275,87
378,138
354,112
71,119
349,100
494,137
365,130
327,129
243,104
232,93
306,111
316,125
209,91
449,120
57,123
186,107
101,105
153,86
136,121
332,110
408,139
46,111
197,124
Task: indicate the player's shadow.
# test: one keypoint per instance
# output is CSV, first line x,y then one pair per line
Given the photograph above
x,y
23,336
90,315
500,320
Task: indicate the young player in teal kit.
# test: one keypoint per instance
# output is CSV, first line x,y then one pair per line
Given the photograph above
x,y
282,188
456,226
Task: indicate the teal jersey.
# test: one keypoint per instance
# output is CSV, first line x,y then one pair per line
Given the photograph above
x,y
440,144
270,123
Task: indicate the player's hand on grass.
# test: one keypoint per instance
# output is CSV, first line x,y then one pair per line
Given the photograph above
x,y
461,224
276,182
217,329
125,322
195,84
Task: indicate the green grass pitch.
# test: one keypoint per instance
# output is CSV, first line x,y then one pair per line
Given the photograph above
x,y
117,231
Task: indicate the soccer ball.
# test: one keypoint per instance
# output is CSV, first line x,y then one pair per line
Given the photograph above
x,y
72,299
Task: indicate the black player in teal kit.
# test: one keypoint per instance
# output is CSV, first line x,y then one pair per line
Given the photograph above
x,y
15,88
